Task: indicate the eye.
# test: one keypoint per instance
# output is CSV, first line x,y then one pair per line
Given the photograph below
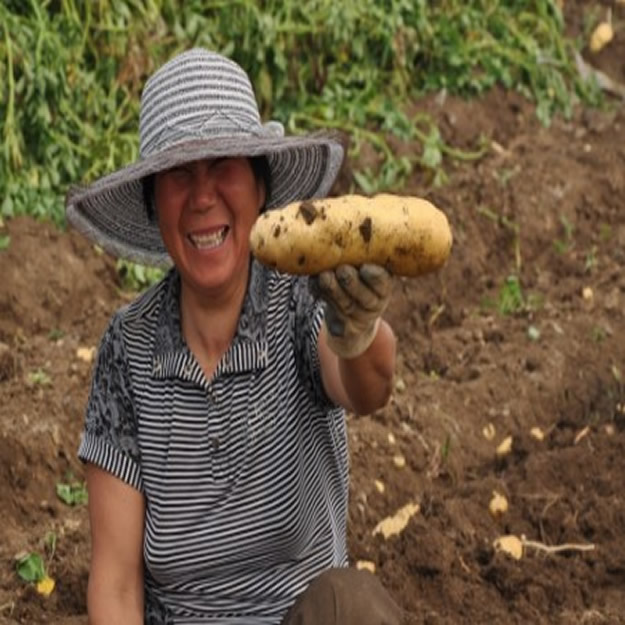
x,y
229,167
221,164
179,171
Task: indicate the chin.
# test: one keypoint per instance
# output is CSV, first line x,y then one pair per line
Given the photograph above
x,y
212,277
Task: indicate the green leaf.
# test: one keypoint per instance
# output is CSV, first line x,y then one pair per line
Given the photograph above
x,y
39,377
265,87
72,494
31,567
55,334
135,277
511,298
432,156
5,241
7,207
364,182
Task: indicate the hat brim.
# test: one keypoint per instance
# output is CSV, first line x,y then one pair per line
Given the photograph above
x,y
111,211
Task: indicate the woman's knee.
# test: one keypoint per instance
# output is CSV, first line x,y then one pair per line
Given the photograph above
x,y
345,596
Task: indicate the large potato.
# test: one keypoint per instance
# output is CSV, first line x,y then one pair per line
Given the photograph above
x,y
407,235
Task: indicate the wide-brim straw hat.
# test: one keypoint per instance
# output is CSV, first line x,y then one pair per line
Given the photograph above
x,y
198,105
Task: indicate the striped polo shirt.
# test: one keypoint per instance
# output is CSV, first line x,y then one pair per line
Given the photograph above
x,y
245,475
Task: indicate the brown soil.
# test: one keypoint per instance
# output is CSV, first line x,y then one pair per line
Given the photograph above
x,y
546,204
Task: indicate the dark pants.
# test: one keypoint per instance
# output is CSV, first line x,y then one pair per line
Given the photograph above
x,y
344,597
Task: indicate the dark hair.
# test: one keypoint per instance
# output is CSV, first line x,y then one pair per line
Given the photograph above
x,y
260,168
262,171
148,196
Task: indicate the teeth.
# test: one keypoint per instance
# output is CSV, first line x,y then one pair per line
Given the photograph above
x,y
207,241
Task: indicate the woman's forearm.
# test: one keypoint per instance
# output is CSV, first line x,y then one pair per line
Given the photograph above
x,y
368,378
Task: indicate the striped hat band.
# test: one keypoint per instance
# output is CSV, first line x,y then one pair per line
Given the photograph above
x,y
198,105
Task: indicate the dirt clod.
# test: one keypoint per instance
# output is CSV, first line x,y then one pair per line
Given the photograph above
x,y
308,211
365,229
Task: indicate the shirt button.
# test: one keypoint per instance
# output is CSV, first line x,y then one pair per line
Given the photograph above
x,y
215,442
188,368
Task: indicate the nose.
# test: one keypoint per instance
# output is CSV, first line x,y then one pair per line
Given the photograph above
x,y
203,187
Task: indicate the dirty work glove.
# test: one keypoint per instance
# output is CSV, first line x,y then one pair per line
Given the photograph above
x,y
355,299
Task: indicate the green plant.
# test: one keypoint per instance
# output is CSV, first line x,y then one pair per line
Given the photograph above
x,y
505,174
135,277
74,70
56,334
566,243
590,261
72,493
31,567
598,334
39,377
5,241
49,542
510,299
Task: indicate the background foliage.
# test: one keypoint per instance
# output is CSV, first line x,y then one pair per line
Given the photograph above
x,y
74,72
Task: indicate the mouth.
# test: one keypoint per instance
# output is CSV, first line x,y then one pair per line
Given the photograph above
x,y
210,240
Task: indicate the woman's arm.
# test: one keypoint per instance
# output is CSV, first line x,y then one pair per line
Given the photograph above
x,y
116,514
364,383
356,346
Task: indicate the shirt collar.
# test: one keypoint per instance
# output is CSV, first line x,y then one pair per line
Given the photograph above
x,y
171,357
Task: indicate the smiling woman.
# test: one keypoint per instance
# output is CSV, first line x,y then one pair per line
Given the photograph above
x,y
214,438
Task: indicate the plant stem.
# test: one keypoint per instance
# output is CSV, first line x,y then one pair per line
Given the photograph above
x,y
12,149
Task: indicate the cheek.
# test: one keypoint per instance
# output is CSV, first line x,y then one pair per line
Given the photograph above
x,y
164,219
166,203
238,180
167,221
246,201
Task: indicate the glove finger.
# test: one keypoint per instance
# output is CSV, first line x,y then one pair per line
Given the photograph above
x,y
378,279
365,299
332,292
334,322
321,287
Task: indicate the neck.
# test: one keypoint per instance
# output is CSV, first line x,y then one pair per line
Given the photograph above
x,y
209,322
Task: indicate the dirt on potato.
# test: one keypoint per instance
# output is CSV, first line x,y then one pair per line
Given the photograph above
x,y
522,334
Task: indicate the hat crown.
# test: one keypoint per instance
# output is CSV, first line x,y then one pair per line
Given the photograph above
x,y
198,94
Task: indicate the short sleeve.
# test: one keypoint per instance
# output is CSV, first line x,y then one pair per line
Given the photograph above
x,y
109,438
309,314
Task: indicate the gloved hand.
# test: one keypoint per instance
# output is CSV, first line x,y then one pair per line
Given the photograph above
x,y
355,300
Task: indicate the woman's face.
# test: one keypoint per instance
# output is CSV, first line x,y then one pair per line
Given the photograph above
x,y
205,211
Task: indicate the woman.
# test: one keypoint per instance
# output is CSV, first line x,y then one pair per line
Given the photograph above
x,y
214,440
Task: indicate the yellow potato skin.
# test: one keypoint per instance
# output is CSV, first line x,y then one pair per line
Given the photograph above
x,y
407,235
